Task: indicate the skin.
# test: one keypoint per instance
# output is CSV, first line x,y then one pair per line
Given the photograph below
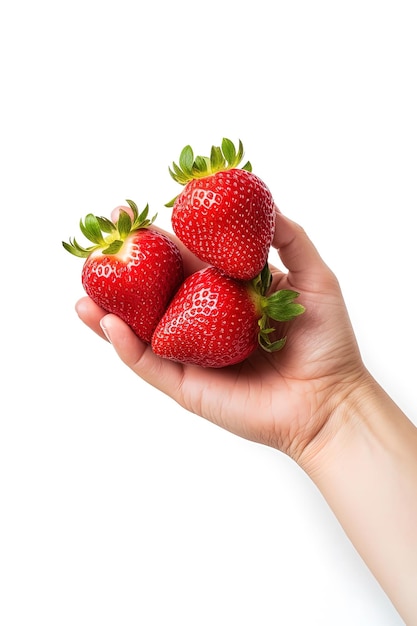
x,y
316,402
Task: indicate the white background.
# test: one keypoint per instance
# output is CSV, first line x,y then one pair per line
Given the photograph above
x,y
117,507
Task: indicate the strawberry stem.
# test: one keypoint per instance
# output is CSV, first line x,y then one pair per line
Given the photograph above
x,y
103,233
279,306
224,157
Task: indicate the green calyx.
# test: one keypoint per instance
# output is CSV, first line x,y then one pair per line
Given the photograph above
x,y
279,306
224,157
106,235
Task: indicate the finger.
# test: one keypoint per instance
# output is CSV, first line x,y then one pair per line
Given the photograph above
x,y
298,253
161,373
91,314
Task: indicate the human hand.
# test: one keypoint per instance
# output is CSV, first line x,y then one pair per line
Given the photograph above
x,y
281,399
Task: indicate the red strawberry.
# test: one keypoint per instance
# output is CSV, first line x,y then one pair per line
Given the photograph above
x,y
224,215
215,320
130,270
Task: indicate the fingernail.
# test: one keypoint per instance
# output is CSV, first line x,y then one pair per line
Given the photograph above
x,y
105,331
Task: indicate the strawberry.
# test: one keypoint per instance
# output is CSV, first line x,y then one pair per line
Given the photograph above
x,y
215,320
130,270
224,215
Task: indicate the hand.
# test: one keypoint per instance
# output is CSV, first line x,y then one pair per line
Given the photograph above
x,y
282,399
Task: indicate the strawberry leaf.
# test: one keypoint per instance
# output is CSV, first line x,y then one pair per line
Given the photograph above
x,y
143,215
106,225
77,250
262,282
221,158
229,150
217,160
134,208
271,346
114,247
124,224
280,306
239,155
178,175
187,160
233,157
201,165
91,229
171,203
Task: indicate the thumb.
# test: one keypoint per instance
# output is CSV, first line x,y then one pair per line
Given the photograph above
x,y
306,268
163,374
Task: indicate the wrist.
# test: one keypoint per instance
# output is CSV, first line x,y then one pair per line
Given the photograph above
x,y
364,463
348,405
361,413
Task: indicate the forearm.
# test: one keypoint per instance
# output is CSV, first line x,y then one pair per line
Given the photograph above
x,y
367,472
